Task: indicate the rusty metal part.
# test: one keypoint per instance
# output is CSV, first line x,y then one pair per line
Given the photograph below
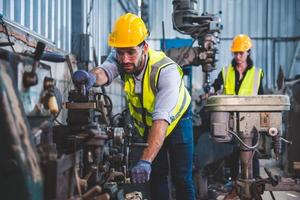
x,y
92,193
265,119
77,179
118,135
97,140
21,151
260,103
246,157
81,105
83,184
185,56
134,196
49,83
296,165
113,175
102,109
93,169
219,126
135,144
273,183
30,79
285,184
277,145
244,188
71,62
104,196
254,114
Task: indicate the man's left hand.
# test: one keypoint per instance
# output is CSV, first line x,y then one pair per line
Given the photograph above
x,y
141,172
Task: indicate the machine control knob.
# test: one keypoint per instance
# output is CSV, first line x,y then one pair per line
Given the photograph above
x,y
273,132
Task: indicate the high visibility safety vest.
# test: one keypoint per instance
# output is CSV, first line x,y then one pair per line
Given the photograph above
x,y
250,83
141,106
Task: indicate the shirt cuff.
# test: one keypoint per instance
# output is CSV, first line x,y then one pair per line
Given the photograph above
x,y
161,115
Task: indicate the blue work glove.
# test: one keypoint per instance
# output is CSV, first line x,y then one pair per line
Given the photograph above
x,y
82,77
141,172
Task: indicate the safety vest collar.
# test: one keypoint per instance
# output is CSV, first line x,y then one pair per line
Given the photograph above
x,y
142,106
250,83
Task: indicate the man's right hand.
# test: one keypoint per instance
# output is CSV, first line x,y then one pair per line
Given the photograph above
x,y
82,77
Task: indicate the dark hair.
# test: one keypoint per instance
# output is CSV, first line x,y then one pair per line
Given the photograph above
x,y
249,61
141,44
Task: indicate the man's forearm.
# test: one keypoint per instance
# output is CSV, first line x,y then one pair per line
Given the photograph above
x,y
155,140
101,77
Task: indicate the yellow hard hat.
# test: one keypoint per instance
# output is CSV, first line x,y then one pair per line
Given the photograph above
x,y
241,43
129,31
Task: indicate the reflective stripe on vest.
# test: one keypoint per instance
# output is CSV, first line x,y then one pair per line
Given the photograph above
x,y
142,107
250,83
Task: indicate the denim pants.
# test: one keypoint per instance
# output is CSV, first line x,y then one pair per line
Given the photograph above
x,y
179,146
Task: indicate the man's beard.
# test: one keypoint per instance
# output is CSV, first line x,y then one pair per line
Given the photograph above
x,y
136,70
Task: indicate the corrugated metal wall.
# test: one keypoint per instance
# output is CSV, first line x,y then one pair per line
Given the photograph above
x,y
103,15
272,24
49,18
52,20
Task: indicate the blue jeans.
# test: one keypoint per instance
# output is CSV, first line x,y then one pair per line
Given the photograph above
x,y
179,145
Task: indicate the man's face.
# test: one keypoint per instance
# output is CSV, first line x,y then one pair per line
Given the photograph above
x,y
131,59
241,57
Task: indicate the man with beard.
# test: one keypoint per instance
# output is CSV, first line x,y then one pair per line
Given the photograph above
x,y
159,105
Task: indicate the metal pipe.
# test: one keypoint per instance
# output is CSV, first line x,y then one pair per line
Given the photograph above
x,y
246,159
164,37
273,61
92,193
267,35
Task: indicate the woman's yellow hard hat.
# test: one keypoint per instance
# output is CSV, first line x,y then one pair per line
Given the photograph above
x,y
241,43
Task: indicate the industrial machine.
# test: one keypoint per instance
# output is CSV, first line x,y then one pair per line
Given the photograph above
x,y
246,118
43,158
242,118
204,29
291,87
88,155
100,147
